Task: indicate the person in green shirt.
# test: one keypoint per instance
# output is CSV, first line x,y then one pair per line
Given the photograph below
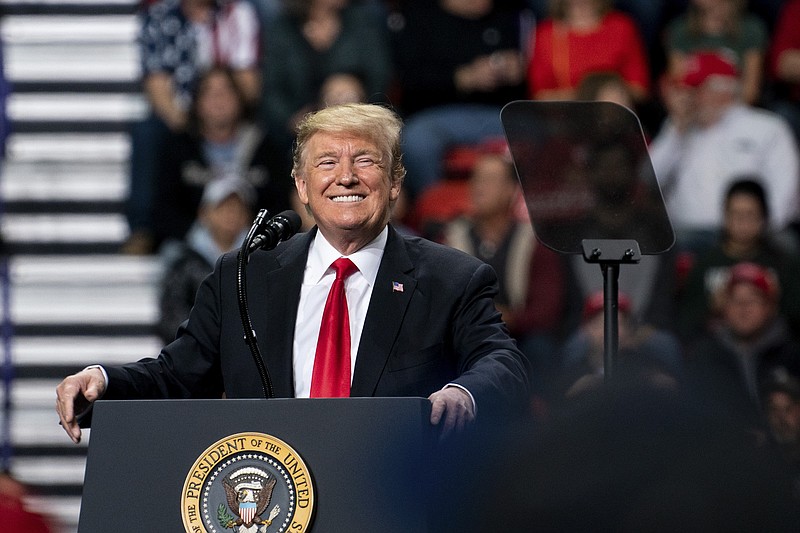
x,y
723,26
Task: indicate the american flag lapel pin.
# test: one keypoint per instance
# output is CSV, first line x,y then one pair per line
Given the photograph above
x,y
397,286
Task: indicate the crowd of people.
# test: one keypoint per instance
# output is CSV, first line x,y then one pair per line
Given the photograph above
x,y
715,83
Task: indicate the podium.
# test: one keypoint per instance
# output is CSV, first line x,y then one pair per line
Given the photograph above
x,y
350,464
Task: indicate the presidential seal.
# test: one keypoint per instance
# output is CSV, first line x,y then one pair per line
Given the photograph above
x,y
248,483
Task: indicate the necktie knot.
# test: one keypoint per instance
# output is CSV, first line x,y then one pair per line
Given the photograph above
x,y
343,268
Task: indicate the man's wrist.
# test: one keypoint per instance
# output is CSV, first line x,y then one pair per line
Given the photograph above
x,y
103,370
471,397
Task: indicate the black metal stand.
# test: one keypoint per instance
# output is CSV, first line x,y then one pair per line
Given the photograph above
x,y
610,254
585,172
244,311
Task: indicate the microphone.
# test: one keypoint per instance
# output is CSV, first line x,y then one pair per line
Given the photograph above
x,y
279,228
264,235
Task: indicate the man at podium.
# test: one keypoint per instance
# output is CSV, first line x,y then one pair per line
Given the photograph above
x,y
413,318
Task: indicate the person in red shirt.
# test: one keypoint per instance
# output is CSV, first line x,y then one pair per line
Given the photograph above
x,y
581,37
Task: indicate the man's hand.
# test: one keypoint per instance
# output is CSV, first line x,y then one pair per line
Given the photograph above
x,y
74,395
454,406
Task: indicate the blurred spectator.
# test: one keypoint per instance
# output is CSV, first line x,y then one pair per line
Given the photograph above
x,y
648,14
179,39
645,354
341,88
14,516
724,27
565,49
784,66
605,87
223,219
310,41
182,38
710,138
458,62
219,142
531,276
622,208
744,237
781,398
726,366
622,458
400,213
610,87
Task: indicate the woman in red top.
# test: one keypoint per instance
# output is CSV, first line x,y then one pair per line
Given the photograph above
x,y
581,37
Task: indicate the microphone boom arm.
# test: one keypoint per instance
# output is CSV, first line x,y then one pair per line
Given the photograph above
x,y
244,312
264,234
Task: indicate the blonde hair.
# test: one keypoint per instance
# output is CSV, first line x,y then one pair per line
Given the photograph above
x,y
375,122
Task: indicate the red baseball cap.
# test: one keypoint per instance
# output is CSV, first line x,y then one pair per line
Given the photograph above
x,y
701,66
761,278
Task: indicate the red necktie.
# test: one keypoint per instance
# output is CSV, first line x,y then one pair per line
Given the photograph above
x,y
331,376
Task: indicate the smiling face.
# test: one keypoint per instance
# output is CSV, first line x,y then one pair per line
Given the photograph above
x,y
343,178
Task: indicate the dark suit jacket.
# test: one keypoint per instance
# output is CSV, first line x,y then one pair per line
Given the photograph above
x,y
442,327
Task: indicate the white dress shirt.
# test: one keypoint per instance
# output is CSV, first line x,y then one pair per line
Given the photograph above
x,y
317,281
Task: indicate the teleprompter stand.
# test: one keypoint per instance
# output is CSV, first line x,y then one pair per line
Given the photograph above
x,y
590,189
610,254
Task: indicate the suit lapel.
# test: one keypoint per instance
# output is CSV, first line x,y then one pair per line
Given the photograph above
x,y
276,295
384,316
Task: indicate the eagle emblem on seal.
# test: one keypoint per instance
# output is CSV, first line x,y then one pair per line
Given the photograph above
x,y
248,492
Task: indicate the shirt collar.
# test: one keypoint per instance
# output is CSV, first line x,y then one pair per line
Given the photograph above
x,y
321,254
